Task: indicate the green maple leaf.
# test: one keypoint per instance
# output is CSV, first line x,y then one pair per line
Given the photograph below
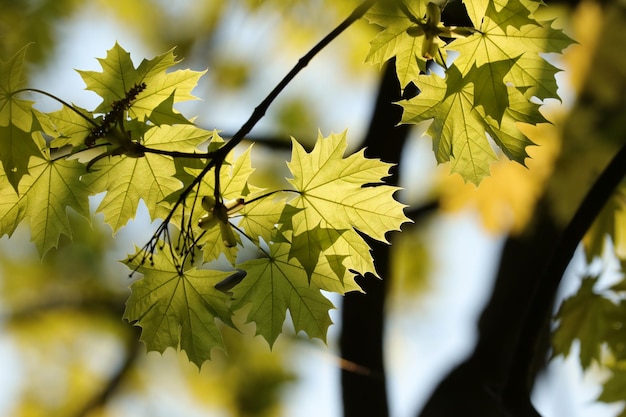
x,y
213,245
17,148
178,309
234,176
476,10
332,193
16,120
150,178
584,316
333,201
180,137
12,109
259,218
119,75
69,128
505,132
310,244
502,54
457,128
44,196
509,31
276,284
164,113
397,40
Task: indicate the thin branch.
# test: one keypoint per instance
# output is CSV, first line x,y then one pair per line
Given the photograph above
x,y
176,154
261,109
286,190
220,154
551,273
131,356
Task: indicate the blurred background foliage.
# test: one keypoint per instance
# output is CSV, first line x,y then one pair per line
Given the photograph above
x,y
73,355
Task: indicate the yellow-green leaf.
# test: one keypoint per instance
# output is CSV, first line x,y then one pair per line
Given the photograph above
x,y
178,309
119,76
44,196
275,284
334,201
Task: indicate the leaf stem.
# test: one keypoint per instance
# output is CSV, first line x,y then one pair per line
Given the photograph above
x,y
63,102
262,196
243,233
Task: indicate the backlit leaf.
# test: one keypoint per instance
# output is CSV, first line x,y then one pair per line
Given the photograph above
x,y
178,308
275,284
44,196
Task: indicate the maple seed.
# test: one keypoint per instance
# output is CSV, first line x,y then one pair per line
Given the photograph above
x,y
228,236
218,214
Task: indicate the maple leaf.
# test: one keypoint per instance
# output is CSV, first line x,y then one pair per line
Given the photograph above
x,y
505,201
336,196
16,121
275,284
259,218
508,31
119,76
584,317
13,110
69,128
234,185
44,195
395,40
476,10
213,244
150,178
457,128
477,96
16,150
178,309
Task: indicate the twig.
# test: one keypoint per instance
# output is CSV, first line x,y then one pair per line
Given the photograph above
x,y
218,156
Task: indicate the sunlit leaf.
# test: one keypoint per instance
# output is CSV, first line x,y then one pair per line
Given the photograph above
x,y
275,284
178,308
44,196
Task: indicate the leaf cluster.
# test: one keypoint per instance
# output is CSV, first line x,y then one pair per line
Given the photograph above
x,y
497,80
306,239
135,146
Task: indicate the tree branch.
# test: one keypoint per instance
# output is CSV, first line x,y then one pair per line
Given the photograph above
x,y
220,154
539,312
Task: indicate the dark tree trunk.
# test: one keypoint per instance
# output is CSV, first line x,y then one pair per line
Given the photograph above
x,y
361,342
478,385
